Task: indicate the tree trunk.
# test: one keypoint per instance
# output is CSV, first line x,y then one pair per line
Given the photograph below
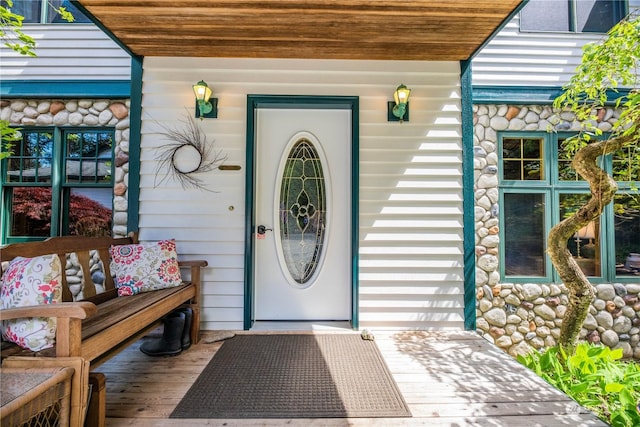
x,y
603,188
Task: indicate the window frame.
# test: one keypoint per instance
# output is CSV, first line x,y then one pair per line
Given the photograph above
x,y
621,9
45,12
553,187
60,189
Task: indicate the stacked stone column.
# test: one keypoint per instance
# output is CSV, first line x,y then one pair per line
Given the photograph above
x,y
521,317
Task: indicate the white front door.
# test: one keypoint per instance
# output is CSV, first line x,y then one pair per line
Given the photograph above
x,y
303,213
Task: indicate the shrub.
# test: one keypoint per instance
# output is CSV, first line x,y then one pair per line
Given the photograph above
x,y
595,377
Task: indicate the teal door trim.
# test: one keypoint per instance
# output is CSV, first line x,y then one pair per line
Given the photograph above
x,y
255,102
468,198
135,139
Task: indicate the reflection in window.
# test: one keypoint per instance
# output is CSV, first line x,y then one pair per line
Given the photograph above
x,y
626,164
583,16
44,11
524,234
522,158
626,209
31,158
90,212
89,157
30,211
585,245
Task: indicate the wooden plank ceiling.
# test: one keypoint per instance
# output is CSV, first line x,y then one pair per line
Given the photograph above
x,y
331,29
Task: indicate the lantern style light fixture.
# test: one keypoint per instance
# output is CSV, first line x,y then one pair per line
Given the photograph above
x,y
398,109
205,105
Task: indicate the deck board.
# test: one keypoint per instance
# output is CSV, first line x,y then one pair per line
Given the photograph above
x,y
447,379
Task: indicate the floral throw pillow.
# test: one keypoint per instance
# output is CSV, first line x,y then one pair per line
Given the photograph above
x,y
145,267
31,281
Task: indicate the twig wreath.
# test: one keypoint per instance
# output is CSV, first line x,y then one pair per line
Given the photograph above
x,y
190,154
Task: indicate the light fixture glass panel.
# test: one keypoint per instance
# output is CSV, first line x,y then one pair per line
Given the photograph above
x,y
202,91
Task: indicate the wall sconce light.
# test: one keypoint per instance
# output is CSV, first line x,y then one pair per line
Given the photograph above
x,y
398,109
205,105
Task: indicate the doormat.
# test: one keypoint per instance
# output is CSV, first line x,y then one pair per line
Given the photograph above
x,y
294,376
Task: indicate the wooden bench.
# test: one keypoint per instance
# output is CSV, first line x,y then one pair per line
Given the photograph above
x,y
101,324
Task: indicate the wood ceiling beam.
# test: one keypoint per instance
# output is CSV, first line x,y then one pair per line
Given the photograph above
x,y
357,29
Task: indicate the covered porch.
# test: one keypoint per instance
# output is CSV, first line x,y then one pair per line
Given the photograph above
x,y
446,378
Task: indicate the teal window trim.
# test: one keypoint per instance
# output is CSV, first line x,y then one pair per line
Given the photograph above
x,y
604,258
64,89
56,181
64,193
547,277
59,188
530,95
552,187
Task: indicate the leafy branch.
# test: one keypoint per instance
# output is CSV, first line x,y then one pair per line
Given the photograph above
x,y
11,32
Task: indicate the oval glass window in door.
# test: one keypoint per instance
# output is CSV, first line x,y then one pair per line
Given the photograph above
x,y
302,215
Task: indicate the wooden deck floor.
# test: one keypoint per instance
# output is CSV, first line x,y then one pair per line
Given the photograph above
x,y
447,378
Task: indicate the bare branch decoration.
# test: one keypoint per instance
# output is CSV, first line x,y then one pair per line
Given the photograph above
x,y
189,154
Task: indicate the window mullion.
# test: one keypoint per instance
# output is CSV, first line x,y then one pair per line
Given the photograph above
x,y
57,168
608,238
551,196
553,217
573,13
44,6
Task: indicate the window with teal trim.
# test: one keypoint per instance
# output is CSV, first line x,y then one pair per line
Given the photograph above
x,y
539,188
44,11
58,181
580,16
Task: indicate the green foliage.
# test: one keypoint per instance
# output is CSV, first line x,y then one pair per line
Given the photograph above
x,y
605,67
8,135
65,14
11,32
594,376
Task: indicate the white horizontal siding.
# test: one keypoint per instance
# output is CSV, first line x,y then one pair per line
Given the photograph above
x,y
67,52
516,58
411,273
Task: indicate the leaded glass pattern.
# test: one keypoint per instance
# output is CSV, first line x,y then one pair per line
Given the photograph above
x,y
302,212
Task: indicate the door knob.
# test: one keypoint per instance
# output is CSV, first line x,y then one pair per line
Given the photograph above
x,y
263,229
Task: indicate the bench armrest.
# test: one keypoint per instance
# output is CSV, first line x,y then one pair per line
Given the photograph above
x,y
194,263
68,316
195,266
72,310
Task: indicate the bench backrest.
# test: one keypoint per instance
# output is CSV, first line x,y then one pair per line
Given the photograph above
x,y
82,250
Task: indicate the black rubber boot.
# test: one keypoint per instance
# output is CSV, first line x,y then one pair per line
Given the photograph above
x,y
186,332
170,343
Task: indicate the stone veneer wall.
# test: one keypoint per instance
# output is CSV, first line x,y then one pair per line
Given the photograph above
x,y
519,317
83,112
